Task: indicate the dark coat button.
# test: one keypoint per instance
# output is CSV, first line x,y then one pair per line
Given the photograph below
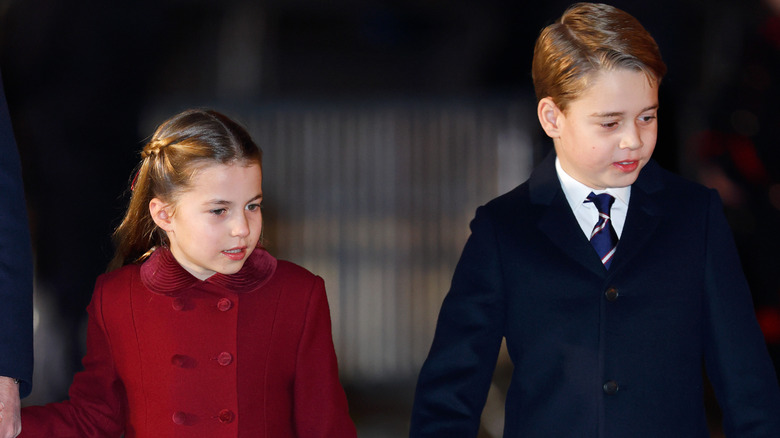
x,y
611,387
612,294
226,416
179,418
225,358
224,304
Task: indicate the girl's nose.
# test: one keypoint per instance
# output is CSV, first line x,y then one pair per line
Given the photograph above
x,y
240,226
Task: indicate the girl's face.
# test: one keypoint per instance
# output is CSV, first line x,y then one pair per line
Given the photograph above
x,y
214,226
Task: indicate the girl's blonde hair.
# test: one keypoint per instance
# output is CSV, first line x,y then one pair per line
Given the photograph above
x,y
180,147
590,37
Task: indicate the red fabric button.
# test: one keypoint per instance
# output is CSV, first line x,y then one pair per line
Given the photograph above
x,y
226,416
225,358
179,360
178,303
179,417
224,304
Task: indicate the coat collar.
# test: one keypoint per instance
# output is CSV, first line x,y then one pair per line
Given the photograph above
x,y
162,274
557,221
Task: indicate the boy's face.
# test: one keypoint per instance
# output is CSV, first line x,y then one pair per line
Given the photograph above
x,y
607,135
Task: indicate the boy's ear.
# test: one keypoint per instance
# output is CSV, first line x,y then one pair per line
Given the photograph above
x,y
549,117
161,213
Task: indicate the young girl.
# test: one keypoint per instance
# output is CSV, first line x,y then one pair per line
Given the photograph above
x,y
196,331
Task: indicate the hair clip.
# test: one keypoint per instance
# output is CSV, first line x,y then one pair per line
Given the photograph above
x,y
135,178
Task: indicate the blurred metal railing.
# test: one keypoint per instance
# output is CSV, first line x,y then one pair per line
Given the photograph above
x,y
376,198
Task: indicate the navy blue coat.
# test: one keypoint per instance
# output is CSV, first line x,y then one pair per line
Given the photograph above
x,y
600,353
16,342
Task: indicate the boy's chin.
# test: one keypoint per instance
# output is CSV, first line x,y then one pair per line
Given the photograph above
x,y
623,179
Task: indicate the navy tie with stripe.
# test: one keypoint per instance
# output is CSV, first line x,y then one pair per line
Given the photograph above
x,y
603,237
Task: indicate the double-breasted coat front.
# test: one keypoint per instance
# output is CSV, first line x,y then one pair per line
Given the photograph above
x,y
599,353
168,355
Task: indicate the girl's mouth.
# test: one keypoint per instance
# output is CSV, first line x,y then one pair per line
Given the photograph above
x,y
235,253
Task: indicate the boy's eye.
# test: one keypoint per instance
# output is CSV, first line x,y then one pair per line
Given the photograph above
x,y
253,207
218,211
609,124
647,119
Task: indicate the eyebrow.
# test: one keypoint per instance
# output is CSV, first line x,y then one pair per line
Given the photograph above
x,y
224,202
621,113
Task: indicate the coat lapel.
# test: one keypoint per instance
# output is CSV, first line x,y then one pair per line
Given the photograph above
x,y
557,221
644,215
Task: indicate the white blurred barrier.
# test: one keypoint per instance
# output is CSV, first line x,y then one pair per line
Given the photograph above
x,y
376,198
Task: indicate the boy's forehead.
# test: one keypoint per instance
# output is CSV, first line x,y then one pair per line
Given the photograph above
x,y
617,91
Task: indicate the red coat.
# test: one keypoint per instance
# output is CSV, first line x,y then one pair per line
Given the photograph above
x,y
168,355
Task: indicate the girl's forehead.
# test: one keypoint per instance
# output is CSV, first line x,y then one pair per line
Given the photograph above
x,y
211,170
228,180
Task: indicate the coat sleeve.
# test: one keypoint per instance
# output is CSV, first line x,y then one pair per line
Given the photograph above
x,y
16,335
97,401
321,409
737,361
455,378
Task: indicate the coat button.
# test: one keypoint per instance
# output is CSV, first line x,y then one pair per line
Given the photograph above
x,y
179,418
224,304
182,361
612,294
611,387
178,360
226,416
225,358
178,303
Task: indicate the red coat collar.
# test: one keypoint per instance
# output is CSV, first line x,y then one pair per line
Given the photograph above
x,y
162,274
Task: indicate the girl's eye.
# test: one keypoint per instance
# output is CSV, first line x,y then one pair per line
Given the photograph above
x,y
609,124
647,119
218,211
253,207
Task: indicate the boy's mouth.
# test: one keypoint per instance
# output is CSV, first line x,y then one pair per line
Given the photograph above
x,y
626,166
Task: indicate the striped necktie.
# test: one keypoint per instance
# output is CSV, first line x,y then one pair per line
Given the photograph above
x,y
603,237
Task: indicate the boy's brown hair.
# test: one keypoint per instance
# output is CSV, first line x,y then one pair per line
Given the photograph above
x,y
590,37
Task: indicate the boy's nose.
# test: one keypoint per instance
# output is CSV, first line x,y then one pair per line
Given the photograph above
x,y
631,139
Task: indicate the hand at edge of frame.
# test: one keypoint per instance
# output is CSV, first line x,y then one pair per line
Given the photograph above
x,y
10,405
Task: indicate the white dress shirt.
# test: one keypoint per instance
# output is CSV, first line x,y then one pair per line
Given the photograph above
x,y
586,213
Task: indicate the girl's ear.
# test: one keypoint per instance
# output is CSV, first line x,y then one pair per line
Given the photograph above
x,y
161,213
550,117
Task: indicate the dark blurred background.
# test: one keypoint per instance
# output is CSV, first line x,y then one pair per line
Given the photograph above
x,y
384,124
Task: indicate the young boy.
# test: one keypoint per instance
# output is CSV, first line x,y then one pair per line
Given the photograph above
x,y
615,283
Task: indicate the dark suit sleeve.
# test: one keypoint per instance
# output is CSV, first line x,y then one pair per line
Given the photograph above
x,y
737,361
16,343
454,381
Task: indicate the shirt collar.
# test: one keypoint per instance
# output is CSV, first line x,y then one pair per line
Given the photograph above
x,y
576,192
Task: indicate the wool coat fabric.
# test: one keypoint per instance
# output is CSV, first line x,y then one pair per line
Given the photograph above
x,y
598,352
168,355
16,263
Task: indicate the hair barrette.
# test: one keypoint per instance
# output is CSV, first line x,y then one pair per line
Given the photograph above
x,y
135,178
